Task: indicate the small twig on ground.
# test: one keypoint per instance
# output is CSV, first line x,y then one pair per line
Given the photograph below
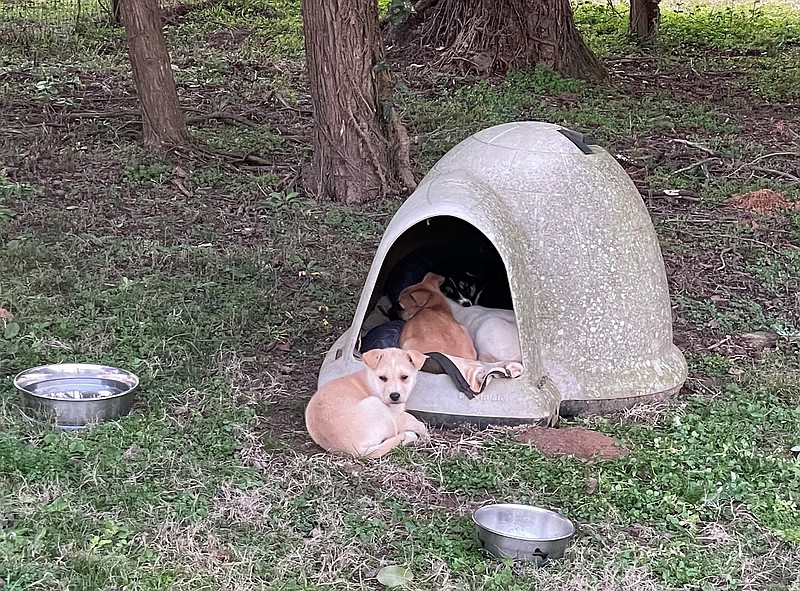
x,y
780,173
760,158
135,113
222,116
99,114
286,104
698,163
719,344
722,259
744,239
694,145
233,157
13,130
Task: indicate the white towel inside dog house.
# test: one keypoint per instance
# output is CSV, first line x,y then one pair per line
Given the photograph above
x,y
575,243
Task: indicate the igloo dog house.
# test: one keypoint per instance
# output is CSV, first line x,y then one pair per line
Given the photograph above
x,y
583,265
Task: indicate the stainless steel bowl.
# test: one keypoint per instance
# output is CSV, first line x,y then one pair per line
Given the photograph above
x,y
522,532
74,395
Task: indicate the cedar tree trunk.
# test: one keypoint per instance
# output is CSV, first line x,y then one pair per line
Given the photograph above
x,y
162,119
645,17
361,148
492,36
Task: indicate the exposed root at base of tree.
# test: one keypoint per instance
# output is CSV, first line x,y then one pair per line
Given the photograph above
x,y
492,36
402,151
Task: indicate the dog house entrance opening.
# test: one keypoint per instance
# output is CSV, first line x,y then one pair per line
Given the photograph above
x,y
473,271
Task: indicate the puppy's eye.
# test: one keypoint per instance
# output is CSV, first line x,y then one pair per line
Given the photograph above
x,y
404,378
383,378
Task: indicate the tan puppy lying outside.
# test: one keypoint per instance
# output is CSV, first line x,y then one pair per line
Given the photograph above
x,y
430,325
364,413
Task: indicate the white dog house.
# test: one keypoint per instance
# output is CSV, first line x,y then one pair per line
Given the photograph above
x,y
583,264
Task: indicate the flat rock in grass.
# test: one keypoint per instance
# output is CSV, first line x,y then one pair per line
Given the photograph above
x,y
760,339
573,441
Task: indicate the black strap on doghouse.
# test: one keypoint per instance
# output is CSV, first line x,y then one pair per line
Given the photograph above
x,y
583,142
439,363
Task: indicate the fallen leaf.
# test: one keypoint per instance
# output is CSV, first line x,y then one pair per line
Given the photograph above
x,y
222,555
394,576
5,314
591,485
132,452
178,184
11,330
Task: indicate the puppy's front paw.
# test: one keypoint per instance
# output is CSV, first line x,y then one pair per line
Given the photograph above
x,y
513,369
410,437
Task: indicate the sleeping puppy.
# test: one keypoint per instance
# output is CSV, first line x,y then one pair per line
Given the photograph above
x,y
364,413
430,325
493,331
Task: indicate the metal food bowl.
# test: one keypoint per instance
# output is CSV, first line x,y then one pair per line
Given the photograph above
x,y
522,532
74,395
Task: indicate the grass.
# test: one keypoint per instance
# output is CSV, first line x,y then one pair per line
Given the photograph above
x,y
223,296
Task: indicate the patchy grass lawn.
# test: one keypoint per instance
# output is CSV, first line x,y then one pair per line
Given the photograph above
x,y
222,287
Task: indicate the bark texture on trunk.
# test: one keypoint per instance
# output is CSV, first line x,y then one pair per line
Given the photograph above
x,y
495,35
644,19
162,120
361,147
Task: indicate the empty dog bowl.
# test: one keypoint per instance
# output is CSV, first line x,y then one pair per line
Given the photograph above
x,y
522,532
73,395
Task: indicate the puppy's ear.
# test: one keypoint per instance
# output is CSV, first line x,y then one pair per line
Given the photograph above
x,y
420,297
372,358
437,280
412,300
416,358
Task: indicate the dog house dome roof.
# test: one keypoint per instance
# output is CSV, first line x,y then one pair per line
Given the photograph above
x,y
583,263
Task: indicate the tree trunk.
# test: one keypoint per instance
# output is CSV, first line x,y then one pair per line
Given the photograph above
x,y
644,19
491,36
162,119
361,148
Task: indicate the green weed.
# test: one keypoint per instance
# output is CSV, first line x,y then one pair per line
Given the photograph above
x,y
256,140
146,173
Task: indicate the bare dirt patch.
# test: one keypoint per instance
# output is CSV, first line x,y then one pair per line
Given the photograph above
x,y
764,202
573,441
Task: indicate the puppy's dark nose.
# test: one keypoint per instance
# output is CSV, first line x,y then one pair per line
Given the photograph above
x,y
394,396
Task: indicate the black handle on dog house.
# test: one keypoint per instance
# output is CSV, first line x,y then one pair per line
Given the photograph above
x,y
582,141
